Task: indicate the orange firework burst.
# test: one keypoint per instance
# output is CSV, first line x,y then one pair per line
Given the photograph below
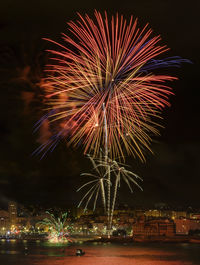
x,y
104,76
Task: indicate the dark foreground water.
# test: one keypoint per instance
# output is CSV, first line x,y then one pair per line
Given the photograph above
x,y
37,253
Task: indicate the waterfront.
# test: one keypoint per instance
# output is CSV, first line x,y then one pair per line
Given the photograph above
x,y
40,253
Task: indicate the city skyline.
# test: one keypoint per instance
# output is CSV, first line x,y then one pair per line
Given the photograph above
x,y
18,222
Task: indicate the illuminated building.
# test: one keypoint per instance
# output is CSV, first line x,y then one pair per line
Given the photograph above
x,y
183,225
154,227
153,213
195,216
178,214
12,210
4,221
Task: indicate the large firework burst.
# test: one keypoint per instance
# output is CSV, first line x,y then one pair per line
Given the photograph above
x,y
105,72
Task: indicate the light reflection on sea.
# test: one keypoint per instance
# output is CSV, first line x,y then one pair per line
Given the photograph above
x,y
40,253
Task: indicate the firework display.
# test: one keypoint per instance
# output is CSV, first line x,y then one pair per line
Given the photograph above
x,y
58,229
105,92
106,70
97,184
100,183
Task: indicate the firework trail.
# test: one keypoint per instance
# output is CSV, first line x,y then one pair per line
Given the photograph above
x,y
97,184
102,168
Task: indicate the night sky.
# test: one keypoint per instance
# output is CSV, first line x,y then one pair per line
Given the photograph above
x,y
171,175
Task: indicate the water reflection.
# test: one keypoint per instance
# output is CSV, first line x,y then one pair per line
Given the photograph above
x,y
97,253
10,252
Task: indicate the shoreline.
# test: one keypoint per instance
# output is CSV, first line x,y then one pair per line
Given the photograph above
x,y
118,240
123,240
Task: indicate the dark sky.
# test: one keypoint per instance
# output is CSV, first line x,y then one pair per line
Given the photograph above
x,y
171,175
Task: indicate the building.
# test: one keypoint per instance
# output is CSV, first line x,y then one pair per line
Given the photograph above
x,y
153,227
178,214
4,221
139,213
184,226
12,209
153,213
195,216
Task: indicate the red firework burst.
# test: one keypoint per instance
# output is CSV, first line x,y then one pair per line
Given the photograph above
x,y
105,72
